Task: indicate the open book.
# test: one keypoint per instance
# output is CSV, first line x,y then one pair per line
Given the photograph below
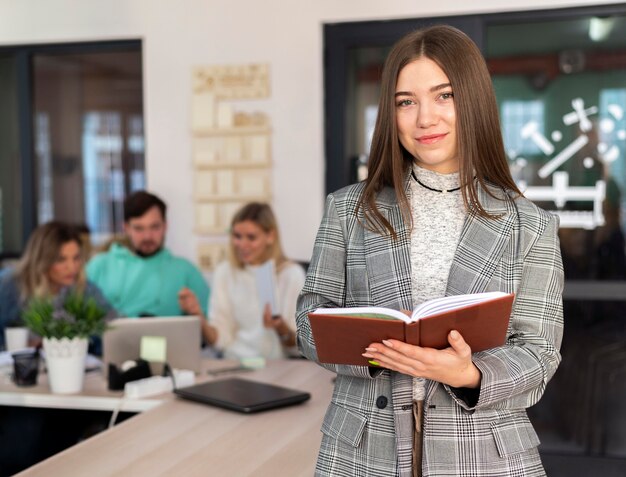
x,y
342,334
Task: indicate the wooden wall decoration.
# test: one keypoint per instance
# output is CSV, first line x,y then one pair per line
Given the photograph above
x,y
231,151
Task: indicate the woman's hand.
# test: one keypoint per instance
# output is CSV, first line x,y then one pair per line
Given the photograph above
x,y
452,365
286,335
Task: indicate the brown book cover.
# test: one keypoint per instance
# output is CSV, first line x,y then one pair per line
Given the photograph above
x,y
341,338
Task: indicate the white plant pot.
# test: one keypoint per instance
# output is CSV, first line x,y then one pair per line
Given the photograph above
x,y
65,361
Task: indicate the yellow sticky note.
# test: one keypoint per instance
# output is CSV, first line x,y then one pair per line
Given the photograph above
x,y
153,348
253,363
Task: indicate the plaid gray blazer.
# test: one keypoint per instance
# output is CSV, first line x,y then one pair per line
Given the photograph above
x,y
351,266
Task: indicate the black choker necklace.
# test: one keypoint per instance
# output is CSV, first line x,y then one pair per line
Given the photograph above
x,y
431,188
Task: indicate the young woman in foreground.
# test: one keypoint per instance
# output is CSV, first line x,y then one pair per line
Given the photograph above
x,y
439,214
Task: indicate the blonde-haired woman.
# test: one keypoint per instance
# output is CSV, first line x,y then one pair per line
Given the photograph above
x,y
51,266
239,324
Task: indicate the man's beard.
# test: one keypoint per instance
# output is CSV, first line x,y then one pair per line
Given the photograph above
x,y
143,254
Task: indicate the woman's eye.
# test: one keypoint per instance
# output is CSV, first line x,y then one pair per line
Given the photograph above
x,y
405,102
447,95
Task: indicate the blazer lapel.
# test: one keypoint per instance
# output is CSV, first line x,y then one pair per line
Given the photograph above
x,y
388,261
481,245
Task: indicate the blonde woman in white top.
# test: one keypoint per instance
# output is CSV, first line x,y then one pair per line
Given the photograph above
x,y
239,324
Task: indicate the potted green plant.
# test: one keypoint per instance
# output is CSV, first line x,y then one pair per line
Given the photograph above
x,y
65,323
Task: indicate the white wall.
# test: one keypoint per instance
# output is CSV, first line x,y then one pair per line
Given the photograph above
x,y
180,34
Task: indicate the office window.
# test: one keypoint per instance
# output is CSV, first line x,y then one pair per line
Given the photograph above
x,y
105,178
364,70
514,115
78,147
612,142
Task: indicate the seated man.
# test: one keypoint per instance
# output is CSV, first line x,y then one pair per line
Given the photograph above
x,y
146,279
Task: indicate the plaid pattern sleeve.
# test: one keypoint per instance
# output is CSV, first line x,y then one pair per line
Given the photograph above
x,y
352,266
516,375
325,284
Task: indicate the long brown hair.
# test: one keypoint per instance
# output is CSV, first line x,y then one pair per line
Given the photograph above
x,y
42,250
479,140
262,215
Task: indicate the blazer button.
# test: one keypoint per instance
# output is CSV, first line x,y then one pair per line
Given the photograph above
x,y
381,402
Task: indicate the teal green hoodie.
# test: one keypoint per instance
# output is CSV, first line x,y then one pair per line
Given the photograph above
x,y
137,286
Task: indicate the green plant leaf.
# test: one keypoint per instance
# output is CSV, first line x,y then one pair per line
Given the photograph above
x,y
75,316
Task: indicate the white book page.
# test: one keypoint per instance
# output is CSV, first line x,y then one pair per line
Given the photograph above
x,y
439,305
365,311
266,286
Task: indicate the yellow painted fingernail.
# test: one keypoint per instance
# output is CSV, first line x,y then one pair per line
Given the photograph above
x,y
373,363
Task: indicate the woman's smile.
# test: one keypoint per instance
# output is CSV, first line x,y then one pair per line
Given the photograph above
x,y
431,138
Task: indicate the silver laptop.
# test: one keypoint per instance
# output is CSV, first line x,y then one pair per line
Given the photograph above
x,y
183,341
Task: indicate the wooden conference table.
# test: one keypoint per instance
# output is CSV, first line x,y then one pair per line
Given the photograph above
x,y
175,437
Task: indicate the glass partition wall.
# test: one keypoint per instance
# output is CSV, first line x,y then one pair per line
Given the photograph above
x,y
560,81
562,98
87,119
72,137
